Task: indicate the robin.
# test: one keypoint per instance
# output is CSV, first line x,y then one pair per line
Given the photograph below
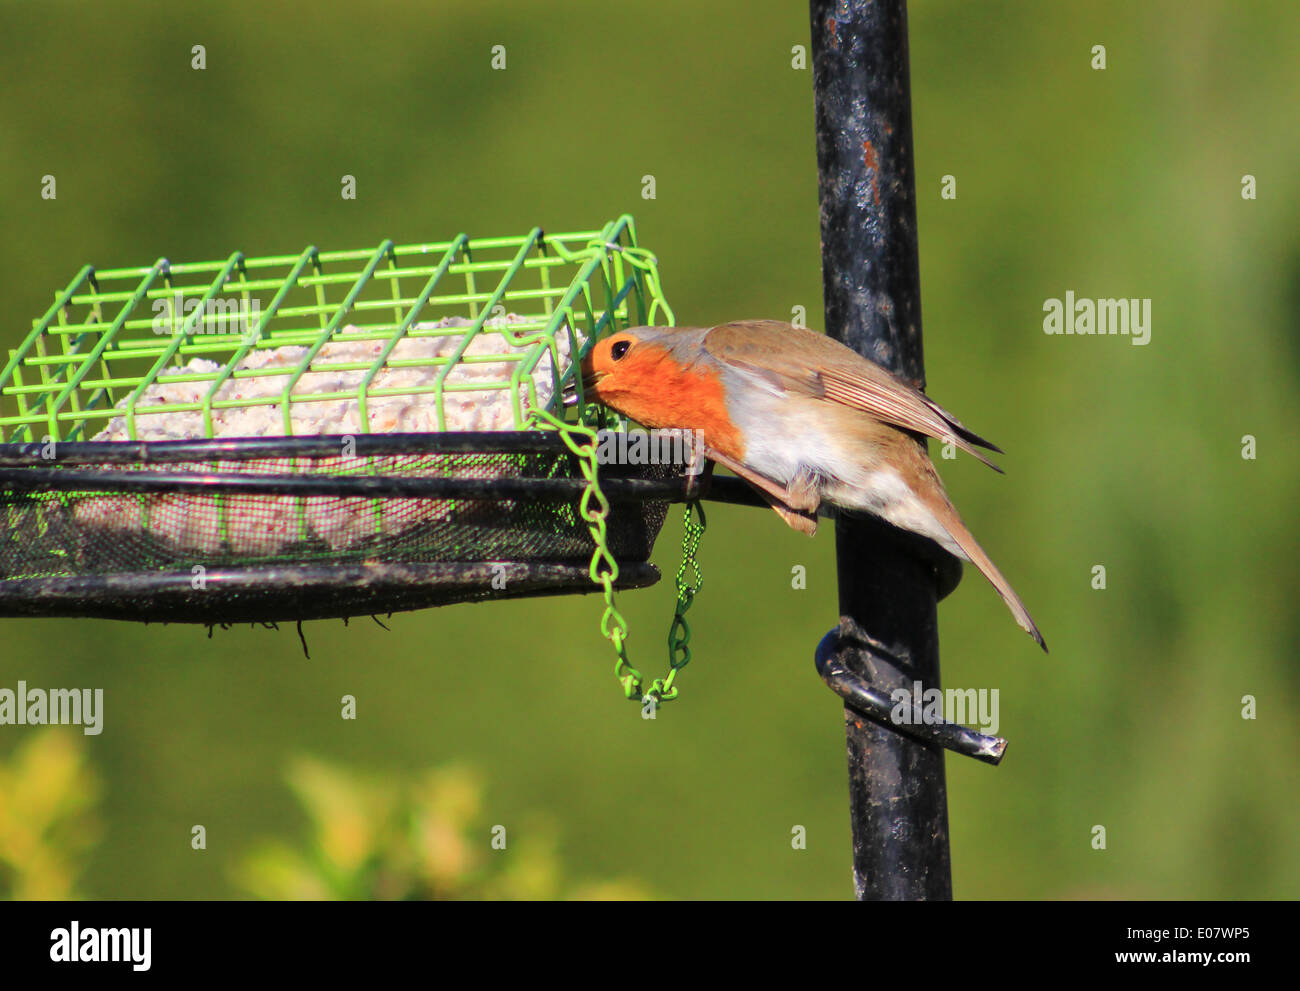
x,y
803,419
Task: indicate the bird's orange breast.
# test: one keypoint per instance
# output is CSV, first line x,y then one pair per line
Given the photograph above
x,y
656,390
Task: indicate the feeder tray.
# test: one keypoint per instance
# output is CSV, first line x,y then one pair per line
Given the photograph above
x,y
322,435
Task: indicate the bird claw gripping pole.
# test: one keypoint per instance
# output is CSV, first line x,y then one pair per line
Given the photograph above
x,y
593,507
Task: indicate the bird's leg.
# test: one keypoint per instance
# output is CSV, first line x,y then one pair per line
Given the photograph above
x,y
796,505
794,518
698,483
802,492
801,497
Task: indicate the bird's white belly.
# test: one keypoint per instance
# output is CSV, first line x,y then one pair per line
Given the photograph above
x,y
800,446
884,493
845,475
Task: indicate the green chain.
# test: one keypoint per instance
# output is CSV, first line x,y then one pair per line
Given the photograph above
x,y
647,264
593,507
639,258
679,634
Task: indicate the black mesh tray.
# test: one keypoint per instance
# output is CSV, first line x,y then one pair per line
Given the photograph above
x,y
282,529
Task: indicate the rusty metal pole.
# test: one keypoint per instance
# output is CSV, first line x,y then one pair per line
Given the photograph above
x,y
888,593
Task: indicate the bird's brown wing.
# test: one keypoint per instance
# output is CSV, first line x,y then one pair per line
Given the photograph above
x,y
817,366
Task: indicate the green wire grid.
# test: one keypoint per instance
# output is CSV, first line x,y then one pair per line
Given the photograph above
x,y
98,347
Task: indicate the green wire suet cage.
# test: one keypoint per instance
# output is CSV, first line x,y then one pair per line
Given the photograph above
x,y
327,434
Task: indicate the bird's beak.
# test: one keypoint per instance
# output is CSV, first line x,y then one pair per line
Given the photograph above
x,y
589,379
570,393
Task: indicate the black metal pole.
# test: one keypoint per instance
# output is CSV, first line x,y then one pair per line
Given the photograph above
x,y
897,792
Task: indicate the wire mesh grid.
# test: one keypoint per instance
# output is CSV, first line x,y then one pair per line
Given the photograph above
x,y
171,371
332,318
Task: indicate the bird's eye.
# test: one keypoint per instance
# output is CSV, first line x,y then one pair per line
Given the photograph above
x,y
619,349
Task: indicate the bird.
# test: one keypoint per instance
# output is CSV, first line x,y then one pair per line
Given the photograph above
x,y
808,422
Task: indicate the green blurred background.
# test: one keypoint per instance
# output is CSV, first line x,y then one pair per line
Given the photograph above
x,y
1123,182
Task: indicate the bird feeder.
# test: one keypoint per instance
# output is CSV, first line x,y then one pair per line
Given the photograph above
x,y
322,434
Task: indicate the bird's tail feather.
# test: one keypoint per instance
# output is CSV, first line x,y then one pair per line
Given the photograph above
x,y
975,554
